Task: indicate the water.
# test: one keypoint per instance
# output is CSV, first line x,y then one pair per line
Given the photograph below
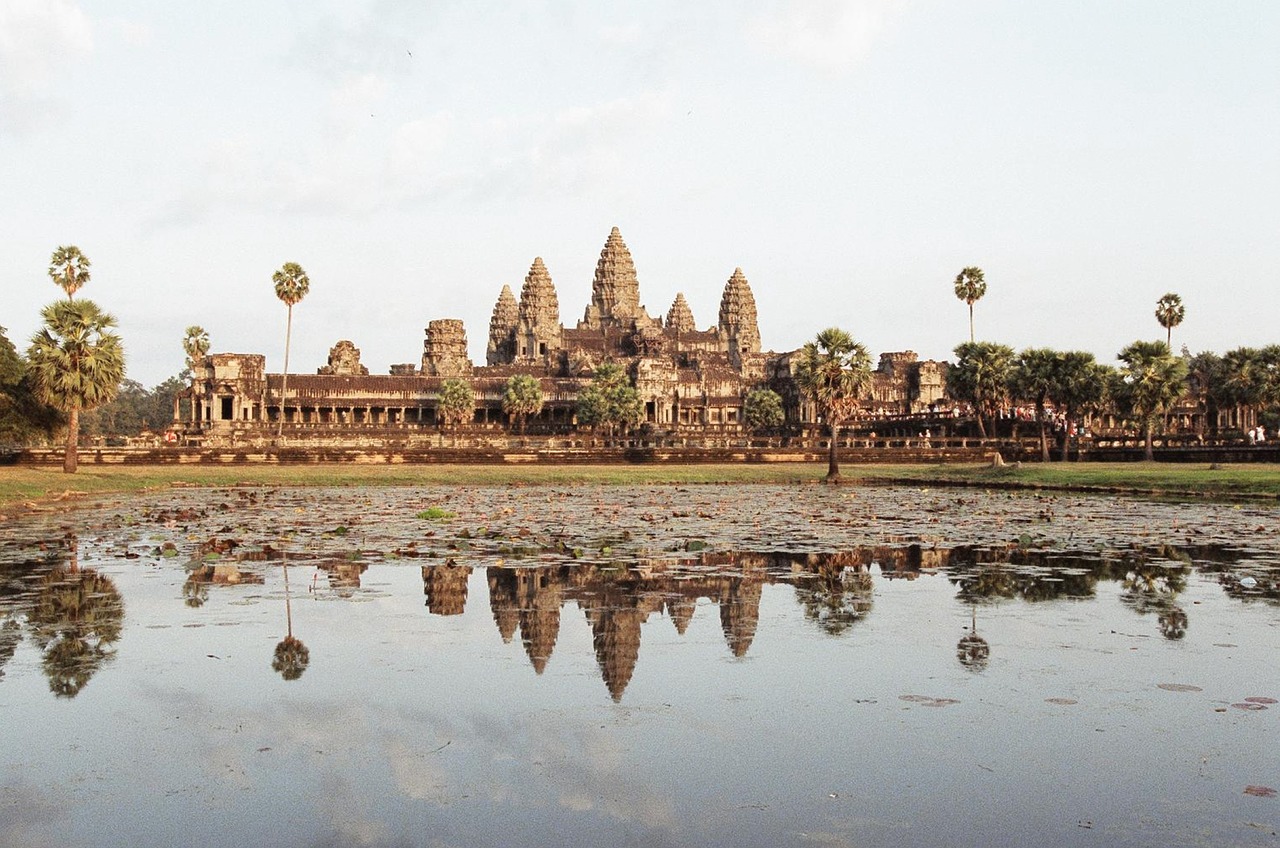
x,y
639,666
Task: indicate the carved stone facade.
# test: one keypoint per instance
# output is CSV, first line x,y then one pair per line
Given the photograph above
x,y
692,383
344,359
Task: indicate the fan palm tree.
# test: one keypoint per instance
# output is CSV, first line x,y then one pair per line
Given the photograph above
x,y
970,287
522,398
195,344
291,657
456,404
1035,373
1151,382
1080,384
1170,312
69,268
292,285
981,377
76,363
834,371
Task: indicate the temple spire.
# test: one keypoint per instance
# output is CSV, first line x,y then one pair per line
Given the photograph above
x,y
502,328
538,324
738,324
615,290
680,316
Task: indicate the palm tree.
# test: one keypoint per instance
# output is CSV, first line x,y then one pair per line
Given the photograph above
x,y
522,398
195,344
1035,373
291,657
1080,384
834,371
69,268
456,404
970,287
1151,382
292,285
76,363
981,377
610,400
1170,312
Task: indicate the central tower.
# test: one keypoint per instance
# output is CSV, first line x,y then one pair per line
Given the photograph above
x,y
615,291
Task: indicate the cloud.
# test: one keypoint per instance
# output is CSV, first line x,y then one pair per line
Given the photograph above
x,y
38,40
360,170
830,35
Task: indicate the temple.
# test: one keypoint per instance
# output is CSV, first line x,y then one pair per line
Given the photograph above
x,y
692,382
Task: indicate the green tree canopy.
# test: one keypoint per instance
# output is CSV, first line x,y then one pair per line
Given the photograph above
x,y
980,376
76,363
610,401
763,409
195,344
522,398
834,372
1149,383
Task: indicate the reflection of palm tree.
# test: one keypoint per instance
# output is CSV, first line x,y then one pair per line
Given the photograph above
x,y
76,618
835,598
972,650
291,657
10,636
1173,622
195,591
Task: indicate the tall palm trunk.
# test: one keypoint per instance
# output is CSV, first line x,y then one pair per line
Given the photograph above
x,y
70,455
971,339
1148,452
284,382
833,459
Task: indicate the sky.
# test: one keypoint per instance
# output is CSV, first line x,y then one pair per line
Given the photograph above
x,y
851,157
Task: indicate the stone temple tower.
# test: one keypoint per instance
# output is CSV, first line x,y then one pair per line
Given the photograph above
x,y
680,316
615,291
738,325
502,329
537,334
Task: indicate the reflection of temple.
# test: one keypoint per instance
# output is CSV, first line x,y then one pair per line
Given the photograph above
x,y
446,587
343,575
617,604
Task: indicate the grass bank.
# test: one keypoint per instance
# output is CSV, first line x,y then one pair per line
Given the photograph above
x,y
20,485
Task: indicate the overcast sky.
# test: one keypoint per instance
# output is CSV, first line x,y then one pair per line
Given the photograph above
x,y
851,157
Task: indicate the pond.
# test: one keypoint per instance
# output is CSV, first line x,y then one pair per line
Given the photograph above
x,y
647,666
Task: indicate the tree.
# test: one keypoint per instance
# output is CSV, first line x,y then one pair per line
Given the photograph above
x,y
522,398
23,418
1170,312
1150,382
610,401
1080,384
834,371
1034,376
1206,372
76,363
195,344
980,376
970,287
457,403
763,409
292,285
69,268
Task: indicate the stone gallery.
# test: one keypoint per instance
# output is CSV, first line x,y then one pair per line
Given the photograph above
x,y
692,383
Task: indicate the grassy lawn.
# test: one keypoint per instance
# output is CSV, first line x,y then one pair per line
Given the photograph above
x,y
19,485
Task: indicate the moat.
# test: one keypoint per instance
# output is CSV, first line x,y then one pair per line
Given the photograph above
x,y
667,665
